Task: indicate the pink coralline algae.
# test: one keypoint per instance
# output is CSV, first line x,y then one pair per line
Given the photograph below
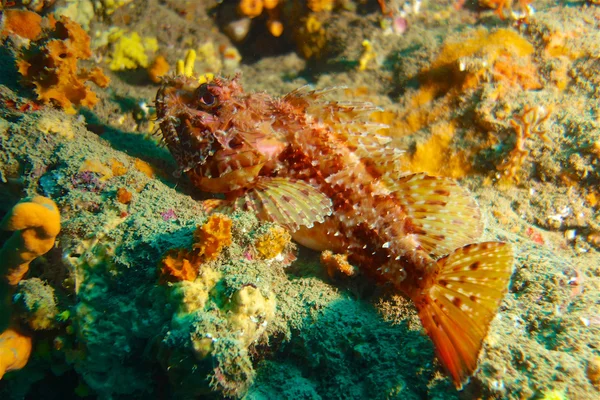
x,y
168,215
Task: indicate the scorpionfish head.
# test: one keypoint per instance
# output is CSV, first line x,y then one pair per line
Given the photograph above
x,y
215,132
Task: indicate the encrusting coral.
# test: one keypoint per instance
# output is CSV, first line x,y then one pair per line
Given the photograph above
x,y
36,304
23,23
272,243
337,264
50,64
158,68
179,265
209,240
525,125
130,50
36,221
15,349
211,237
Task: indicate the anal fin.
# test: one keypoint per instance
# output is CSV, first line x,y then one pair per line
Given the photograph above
x,y
458,308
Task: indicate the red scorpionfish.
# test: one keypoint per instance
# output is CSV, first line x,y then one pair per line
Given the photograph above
x,y
318,168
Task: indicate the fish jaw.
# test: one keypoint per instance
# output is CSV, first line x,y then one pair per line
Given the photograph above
x,y
216,133
228,182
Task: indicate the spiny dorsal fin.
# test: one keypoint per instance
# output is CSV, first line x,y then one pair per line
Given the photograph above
x,y
458,308
348,122
443,215
289,203
307,97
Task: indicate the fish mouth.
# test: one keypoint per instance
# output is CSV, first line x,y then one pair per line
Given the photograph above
x,y
184,128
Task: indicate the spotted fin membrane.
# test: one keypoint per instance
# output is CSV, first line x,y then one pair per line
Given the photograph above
x,y
289,203
444,216
458,308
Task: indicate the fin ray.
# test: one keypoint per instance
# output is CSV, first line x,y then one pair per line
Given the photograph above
x,y
289,203
444,215
458,308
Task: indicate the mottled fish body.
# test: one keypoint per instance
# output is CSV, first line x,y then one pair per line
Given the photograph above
x,y
320,169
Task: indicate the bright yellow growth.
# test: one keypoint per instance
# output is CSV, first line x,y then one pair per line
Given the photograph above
x,y
503,55
110,6
96,166
192,295
144,168
367,56
37,222
186,67
131,51
435,155
272,243
15,350
555,395
492,44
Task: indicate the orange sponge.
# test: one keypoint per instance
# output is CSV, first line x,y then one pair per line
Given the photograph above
x,y
37,222
15,349
50,64
26,24
210,238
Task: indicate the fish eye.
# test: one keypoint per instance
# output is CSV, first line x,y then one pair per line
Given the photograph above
x,y
205,97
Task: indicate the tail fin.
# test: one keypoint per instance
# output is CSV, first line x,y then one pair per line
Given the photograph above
x,y
459,306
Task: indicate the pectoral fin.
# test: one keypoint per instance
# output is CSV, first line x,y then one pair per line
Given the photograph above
x,y
289,203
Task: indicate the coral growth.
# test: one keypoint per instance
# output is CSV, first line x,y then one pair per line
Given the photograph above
x,y
50,64
321,5
527,124
33,5
311,37
130,50
503,56
250,313
210,238
36,303
158,68
108,7
593,371
436,155
522,10
37,223
23,23
15,349
179,265
124,196
272,243
337,264
254,8
189,296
